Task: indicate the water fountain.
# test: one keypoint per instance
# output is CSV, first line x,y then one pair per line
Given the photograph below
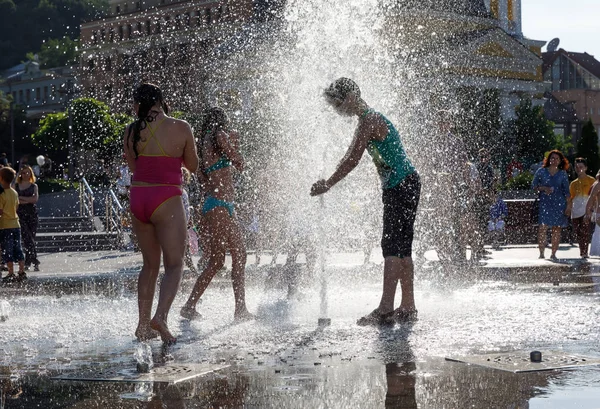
x,y
284,359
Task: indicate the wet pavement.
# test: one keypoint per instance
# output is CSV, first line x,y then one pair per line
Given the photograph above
x,y
78,314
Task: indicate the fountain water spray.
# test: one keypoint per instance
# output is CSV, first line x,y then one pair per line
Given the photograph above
x,y
4,310
143,357
323,321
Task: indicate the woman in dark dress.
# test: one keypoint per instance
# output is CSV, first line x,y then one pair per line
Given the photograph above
x,y
28,215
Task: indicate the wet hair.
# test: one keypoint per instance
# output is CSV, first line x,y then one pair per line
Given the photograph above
x,y
581,160
341,88
214,119
7,174
31,174
146,95
564,163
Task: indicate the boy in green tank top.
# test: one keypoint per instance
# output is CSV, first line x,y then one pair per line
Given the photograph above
x,y
401,192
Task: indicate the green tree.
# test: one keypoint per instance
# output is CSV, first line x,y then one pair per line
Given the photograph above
x,y
52,133
58,52
530,131
587,147
562,143
94,128
26,24
113,145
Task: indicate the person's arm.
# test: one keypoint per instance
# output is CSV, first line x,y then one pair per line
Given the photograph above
x,y
190,154
363,135
30,199
566,192
589,207
537,180
570,199
128,148
228,147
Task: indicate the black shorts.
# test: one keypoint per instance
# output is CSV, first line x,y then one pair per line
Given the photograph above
x,y
399,212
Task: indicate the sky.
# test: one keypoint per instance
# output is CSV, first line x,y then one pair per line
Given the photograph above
x,y
575,22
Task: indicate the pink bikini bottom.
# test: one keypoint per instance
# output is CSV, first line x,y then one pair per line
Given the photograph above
x,y
144,200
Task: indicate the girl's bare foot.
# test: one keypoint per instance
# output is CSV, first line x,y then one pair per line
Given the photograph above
x,y
243,315
145,333
190,313
163,330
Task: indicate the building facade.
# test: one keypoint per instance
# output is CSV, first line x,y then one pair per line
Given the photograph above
x,y
573,80
39,91
162,41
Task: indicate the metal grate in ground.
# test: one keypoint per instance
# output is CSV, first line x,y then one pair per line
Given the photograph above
x,y
520,361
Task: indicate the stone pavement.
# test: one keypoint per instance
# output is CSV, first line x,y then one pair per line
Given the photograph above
x,y
518,259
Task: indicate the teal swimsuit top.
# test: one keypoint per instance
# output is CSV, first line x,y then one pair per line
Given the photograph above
x,y
389,157
223,162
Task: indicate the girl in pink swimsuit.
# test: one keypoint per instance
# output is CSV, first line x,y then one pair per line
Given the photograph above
x,y
156,146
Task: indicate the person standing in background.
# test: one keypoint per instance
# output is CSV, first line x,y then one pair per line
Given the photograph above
x,y
580,190
552,184
28,214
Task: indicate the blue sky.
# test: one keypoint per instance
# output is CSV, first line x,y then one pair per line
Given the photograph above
x,y
575,22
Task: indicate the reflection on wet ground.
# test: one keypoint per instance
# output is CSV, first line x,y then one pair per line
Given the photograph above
x,y
284,360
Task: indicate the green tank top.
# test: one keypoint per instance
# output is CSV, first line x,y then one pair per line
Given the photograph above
x,y
390,157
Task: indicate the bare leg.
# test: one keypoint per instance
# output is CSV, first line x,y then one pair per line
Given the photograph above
x,y
391,275
148,276
542,239
171,233
407,274
238,257
555,239
215,250
397,269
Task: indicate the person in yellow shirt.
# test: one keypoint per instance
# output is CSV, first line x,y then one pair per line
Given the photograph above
x,y
580,192
10,228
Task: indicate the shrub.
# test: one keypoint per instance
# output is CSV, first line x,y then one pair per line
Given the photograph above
x,y
520,182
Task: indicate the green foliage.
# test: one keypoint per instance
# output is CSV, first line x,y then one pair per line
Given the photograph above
x,y
520,182
26,24
94,128
4,106
52,133
587,147
58,52
113,145
54,185
92,123
532,133
562,143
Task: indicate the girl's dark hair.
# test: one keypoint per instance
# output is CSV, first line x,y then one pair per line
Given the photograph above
x,y
147,96
340,89
564,162
213,120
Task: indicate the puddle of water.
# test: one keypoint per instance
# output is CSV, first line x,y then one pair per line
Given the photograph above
x,y
284,359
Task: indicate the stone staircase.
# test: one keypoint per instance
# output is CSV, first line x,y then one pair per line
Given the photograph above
x,y
58,234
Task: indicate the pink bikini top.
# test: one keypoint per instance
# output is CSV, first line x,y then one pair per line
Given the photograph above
x,y
157,169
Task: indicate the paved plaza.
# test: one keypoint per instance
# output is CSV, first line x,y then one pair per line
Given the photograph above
x,y
73,323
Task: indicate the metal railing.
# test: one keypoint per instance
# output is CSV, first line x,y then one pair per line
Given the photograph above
x,y
114,216
86,200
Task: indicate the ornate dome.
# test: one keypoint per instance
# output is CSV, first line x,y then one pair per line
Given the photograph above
x,y
473,8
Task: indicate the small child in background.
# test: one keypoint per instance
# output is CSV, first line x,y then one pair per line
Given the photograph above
x,y
498,211
10,228
192,237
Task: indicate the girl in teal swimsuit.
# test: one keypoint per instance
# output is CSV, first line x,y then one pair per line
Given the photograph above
x,y
219,156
